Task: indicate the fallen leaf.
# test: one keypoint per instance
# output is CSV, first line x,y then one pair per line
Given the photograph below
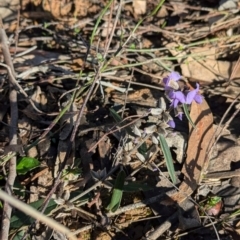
x,y
107,29
139,6
8,8
198,143
57,8
202,64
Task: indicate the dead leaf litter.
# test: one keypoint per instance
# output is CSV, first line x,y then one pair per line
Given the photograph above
x,y
95,109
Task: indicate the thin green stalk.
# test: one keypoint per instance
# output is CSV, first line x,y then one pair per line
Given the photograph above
x,y
98,21
213,40
155,59
132,33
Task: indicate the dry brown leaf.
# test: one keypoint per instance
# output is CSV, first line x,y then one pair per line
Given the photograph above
x,y
57,8
179,8
199,141
82,7
222,162
202,64
8,8
107,29
139,6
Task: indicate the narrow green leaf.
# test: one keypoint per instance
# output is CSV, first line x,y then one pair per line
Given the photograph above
x,y
185,109
118,119
115,115
99,20
168,157
117,192
26,164
143,149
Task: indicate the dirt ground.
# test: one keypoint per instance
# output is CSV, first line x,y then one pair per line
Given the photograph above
x,y
93,133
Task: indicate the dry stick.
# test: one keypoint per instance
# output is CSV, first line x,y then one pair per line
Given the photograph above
x,y
35,214
130,207
113,28
17,31
126,95
107,41
18,86
7,209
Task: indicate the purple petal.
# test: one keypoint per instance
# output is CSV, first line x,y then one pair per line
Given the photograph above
x,y
190,96
193,95
174,103
166,81
198,98
171,123
176,97
180,115
171,94
180,96
175,76
197,88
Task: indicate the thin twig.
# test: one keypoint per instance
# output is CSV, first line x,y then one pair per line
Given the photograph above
x,y
7,208
35,214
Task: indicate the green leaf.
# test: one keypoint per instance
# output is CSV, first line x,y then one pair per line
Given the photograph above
x,y
132,46
26,164
77,31
19,235
212,201
118,119
143,149
168,157
19,189
117,192
20,219
185,109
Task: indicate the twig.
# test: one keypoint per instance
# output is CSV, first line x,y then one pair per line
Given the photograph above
x,y
163,227
17,30
35,214
18,86
130,207
7,209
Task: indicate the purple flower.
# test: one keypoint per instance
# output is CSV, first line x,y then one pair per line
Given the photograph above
x,y
171,123
176,97
170,81
194,95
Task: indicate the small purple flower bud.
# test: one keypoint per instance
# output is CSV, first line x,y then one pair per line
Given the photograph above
x,y
171,123
194,95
